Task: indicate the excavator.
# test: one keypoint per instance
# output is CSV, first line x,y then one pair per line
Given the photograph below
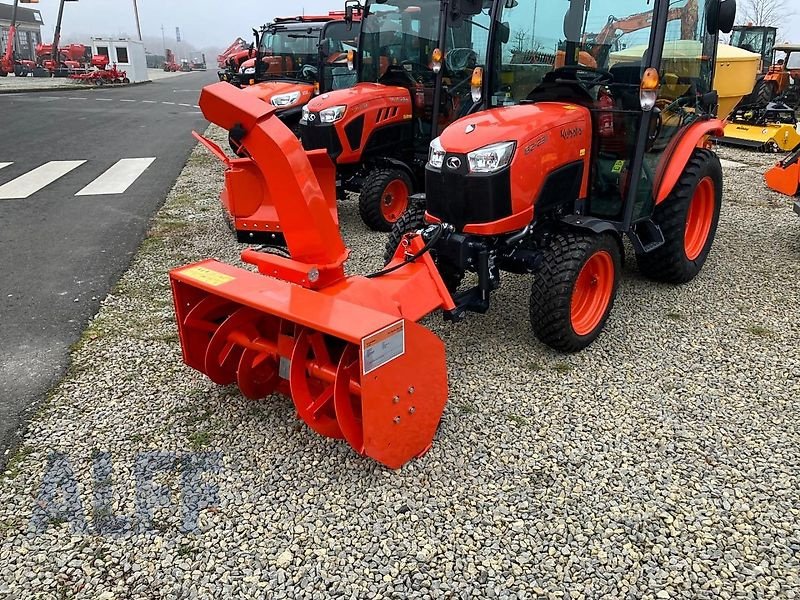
x,y
565,163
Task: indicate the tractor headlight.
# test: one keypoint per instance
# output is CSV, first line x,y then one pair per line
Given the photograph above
x,y
436,154
491,158
283,100
248,71
332,114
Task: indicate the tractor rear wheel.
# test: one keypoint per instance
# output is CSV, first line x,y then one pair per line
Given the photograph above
x,y
574,290
688,219
414,220
384,198
764,93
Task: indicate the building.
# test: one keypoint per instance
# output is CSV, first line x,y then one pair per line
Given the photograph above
x,y
29,30
127,54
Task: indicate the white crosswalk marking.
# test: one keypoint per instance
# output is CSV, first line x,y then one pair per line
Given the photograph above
x,y
118,178
33,181
3,165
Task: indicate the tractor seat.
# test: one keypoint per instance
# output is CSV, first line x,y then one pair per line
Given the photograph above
x,y
553,89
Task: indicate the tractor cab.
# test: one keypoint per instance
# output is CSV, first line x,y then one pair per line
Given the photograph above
x,y
298,58
758,40
417,65
640,90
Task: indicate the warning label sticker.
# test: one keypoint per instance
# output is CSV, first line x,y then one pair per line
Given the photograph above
x,y
206,275
383,347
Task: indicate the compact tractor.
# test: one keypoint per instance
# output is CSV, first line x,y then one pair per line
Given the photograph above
x,y
298,58
570,159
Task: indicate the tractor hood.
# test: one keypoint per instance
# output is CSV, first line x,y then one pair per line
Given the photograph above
x,y
268,90
361,97
520,124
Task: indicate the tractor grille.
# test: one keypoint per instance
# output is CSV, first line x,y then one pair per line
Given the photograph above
x,y
461,199
321,137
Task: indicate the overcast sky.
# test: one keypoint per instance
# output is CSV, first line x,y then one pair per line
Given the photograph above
x,y
202,22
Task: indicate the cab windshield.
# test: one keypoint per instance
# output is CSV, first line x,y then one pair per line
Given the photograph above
x,y
401,34
290,52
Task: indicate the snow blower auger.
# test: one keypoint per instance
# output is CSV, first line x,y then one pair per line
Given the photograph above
x,y
246,197
347,350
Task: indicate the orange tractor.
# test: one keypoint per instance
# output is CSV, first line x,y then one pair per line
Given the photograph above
x,y
571,160
379,108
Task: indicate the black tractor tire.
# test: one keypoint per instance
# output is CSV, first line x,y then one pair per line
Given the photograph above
x,y
675,261
764,93
125,80
3,74
414,220
553,318
375,194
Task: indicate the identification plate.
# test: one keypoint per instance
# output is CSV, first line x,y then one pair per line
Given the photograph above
x,y
383,347
206,275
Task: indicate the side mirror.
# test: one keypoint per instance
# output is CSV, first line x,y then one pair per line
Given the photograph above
x,y
720,16
350,7
573,20
504,31
727,15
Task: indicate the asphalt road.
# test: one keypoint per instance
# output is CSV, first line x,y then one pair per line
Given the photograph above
x,y
63,247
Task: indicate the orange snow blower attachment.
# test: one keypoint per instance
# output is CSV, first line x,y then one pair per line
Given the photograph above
x,y
245,195
347,350
785,176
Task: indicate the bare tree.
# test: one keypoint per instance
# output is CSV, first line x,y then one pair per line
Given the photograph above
x,y
764,12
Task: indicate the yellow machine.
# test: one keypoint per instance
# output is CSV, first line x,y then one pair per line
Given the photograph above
x,y
768,128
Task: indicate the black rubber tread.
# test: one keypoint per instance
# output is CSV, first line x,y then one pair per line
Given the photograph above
x,y
551,292
369,201
764,93
669,262
413,220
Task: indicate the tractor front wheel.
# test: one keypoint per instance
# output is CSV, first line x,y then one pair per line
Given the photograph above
x,y
384,198
688,219
414,220
574,290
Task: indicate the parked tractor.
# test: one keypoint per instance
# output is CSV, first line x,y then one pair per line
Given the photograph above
x,y
547,182
298,58
758,40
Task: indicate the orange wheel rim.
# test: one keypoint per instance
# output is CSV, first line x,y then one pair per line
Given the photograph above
x,y
394,200
592,293
699,219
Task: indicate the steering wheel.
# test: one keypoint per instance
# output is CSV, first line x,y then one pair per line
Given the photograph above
x,y
308,71
415,65
458,59
599,76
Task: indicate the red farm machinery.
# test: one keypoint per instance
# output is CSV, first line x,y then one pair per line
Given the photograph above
x,y
546,183
101,73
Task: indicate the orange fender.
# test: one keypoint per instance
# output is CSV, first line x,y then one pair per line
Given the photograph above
x,y
677,155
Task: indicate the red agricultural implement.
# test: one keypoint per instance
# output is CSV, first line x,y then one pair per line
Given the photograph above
x,y
546,186
785,177
102,74
170,64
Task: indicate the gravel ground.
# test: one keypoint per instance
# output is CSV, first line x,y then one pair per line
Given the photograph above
x,y
662,462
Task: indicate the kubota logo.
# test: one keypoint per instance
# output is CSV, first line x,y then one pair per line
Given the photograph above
x,y
454,163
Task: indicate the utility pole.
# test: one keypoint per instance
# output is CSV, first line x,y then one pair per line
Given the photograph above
x,y
164,41
138,25
57,35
